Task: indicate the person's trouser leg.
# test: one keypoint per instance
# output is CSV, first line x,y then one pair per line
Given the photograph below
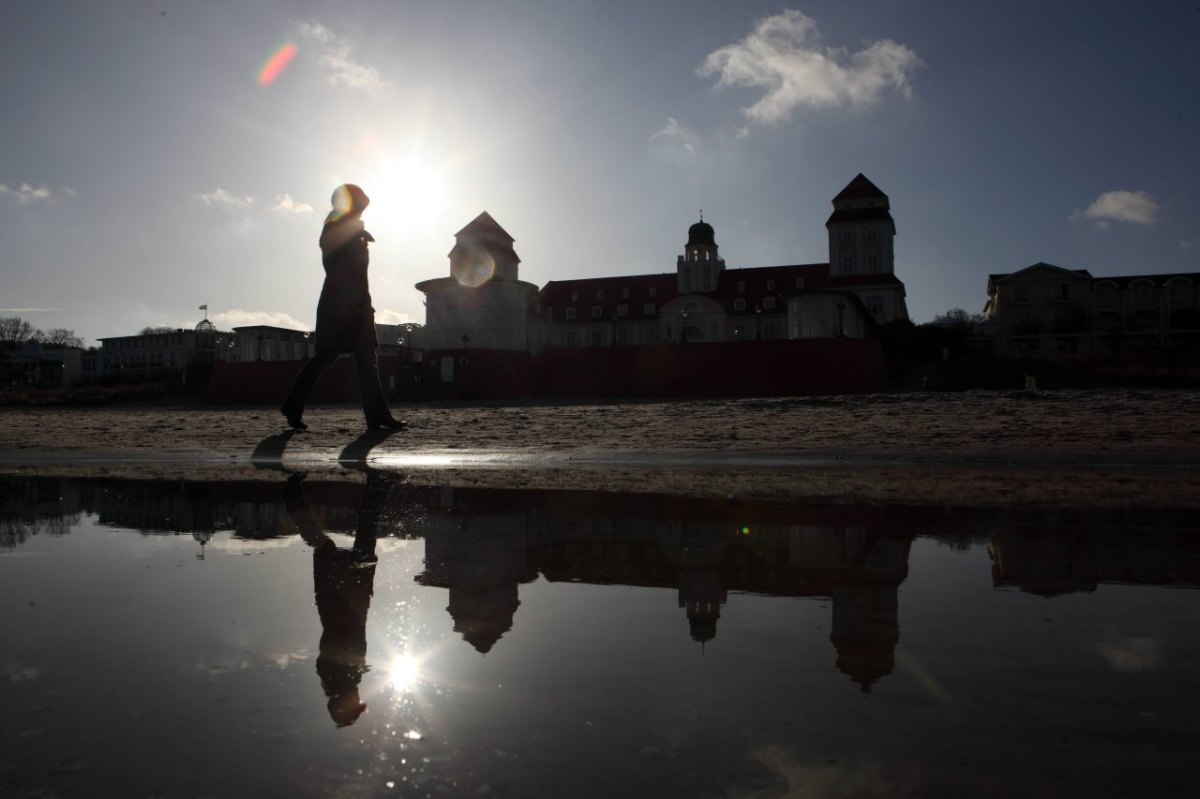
x,y
375,406
305,380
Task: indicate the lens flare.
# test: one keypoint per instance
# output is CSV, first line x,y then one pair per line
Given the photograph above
x,y
474,267
276,64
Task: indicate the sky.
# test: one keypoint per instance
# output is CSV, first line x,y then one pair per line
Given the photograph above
x,y
156,157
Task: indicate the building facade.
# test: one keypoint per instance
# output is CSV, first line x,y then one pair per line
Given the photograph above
x,y
1046,309
483,304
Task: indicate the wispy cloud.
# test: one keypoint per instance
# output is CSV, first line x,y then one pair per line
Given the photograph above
x,y
1138,207
284,204
239,317
28,194
221,198
675,141
333,55
784,58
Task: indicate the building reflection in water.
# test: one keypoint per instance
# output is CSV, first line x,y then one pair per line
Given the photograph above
x,y
481,545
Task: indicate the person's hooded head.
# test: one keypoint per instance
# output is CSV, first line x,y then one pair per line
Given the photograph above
x,y
349,201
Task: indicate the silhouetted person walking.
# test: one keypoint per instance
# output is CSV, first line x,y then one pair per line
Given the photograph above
x,y
345,318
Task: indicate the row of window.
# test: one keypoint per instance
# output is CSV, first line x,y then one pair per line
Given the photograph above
x,y
798,283
649,309
625,293
1140,293
144,342
141,360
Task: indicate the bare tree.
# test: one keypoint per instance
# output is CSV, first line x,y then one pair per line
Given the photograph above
x,y
58,338
958,317
14,331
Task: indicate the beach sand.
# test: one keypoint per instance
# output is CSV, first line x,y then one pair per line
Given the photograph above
x,y
1099,446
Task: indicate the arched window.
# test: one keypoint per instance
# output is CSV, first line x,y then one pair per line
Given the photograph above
x,y
847,240
872,241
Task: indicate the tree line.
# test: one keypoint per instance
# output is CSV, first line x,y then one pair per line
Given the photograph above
x,y
15,332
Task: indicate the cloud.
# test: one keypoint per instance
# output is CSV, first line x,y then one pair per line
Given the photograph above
x,y
386,317
223,199
675,141
284,204
28,310
333,55
238,317
1138,207
782,56
25,194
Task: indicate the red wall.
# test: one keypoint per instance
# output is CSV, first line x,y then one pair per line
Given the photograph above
x,y
734,368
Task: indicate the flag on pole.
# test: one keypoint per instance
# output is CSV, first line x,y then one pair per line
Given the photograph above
x,y
204,307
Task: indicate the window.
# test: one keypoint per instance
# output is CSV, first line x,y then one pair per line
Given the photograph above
x,y
574,296
622,310
654,291
768,303
739,304
571,339
874,304
570,313
1020,293
847,240
741,285
597,338
596,311
648,309
872,263
1062,291
599,294
770,285
622,336
624,294
847,264
872,241
649,335
799,282
768,329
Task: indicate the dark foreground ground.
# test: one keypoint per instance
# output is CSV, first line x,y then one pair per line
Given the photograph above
x,y
1107,447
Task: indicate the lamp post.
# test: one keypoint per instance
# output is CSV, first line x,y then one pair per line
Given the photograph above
x,y
757,323
841,309
683,326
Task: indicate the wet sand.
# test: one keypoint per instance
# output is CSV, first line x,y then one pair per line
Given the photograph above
x,y
1106,447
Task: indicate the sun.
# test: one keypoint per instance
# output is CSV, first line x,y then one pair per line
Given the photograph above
x,y
407,194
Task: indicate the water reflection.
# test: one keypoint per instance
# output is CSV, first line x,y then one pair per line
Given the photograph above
x,y
481,545
525,640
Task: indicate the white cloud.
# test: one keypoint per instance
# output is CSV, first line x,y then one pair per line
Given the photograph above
x,y
783,57
238,317
25,194
676,141
333,54
224,199
284,204
386,317
1138,207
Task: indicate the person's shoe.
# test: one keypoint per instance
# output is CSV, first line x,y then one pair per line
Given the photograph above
x,y
293,419
388,424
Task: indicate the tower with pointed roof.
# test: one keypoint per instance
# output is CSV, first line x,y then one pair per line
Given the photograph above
x,y
483,304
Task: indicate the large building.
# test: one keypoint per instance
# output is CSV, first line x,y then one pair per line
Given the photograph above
x,y
1045,309
483,305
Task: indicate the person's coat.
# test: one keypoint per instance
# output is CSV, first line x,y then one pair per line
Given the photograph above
x,y
345,318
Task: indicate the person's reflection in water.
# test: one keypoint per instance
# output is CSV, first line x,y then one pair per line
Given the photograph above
x,y
344,581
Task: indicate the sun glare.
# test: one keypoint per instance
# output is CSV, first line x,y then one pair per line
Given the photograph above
x,y
406,194
405,673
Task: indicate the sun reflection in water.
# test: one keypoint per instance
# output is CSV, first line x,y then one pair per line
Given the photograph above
x,y
404,673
